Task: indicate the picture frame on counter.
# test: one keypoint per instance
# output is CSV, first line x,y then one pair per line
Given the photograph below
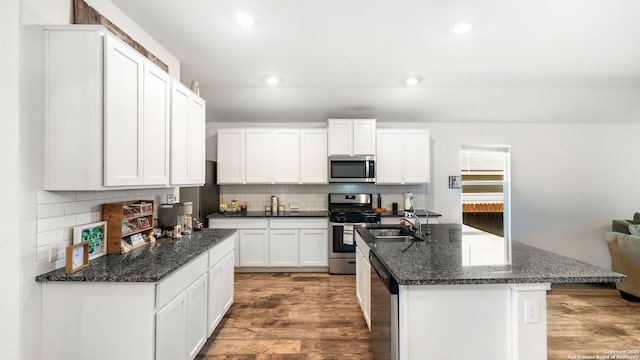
x,y
77,257
95,235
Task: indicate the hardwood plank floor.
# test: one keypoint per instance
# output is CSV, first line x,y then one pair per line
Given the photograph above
x,y
313,316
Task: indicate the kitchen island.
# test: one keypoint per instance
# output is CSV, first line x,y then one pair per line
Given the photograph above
x,y
158,302
468,294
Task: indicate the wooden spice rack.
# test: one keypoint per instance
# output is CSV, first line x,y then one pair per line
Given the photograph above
x,y
125,219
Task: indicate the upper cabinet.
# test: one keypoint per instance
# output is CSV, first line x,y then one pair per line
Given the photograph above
x,y
107,112
403,156
187,137
272,156
351,137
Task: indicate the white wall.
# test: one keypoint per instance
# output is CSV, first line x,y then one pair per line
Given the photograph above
x,y
45,217
568,180
10,258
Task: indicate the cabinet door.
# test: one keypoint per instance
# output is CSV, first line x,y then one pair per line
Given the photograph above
x,y
340,137
364,137
359,278
254,248
314,247
196,140
227,277
171,326
179,135
196,316
122,115
366,290
283,247
214,312
286,156
416,159
231,156
313,156
156,115
390,156
259,156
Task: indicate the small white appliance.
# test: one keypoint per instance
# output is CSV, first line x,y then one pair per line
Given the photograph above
x,y
408,201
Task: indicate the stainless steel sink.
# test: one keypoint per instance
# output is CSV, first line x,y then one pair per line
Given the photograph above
x,y
406,238
389,232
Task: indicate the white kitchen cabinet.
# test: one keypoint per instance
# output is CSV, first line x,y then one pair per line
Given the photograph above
x,y
313,156
259,156
220,282
403,156
187,136
103,101
196,316
352,137
286,156
363,279
171,325
231,156
314,247
283,247
254,247
156,127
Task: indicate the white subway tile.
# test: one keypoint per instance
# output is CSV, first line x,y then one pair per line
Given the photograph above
x,y
119,193
95,205
44,197
63,196
75,208
42,253
84,218
85,195
107,194
50,210
43,225
48,237
67,234
61,222
45,266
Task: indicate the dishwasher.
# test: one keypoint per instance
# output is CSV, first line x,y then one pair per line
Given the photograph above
x,y
384,312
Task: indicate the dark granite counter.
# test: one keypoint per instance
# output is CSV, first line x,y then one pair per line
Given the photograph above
x,y
418,212
147,264
264,214
455,256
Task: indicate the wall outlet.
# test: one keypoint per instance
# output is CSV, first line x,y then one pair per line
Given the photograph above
x,y
54,250
171,198
531,311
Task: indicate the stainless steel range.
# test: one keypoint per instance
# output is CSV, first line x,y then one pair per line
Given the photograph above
x,y
346,211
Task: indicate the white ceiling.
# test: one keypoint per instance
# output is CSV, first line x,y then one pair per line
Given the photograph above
x,y
524,60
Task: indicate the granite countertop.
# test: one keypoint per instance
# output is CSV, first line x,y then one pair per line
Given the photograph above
x,y
147,264
264,214
418,212
456,255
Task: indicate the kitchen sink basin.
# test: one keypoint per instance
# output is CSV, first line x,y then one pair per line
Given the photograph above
x,y
405,238
389,232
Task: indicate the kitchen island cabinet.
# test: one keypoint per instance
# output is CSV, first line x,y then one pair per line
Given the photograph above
x,y
469,287
157,300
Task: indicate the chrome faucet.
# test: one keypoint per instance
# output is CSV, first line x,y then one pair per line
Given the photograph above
x,y
416,227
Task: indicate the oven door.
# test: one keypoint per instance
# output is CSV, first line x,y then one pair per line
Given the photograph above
x,y
338,249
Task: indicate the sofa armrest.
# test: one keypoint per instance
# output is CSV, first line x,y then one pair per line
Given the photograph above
x,y
621,226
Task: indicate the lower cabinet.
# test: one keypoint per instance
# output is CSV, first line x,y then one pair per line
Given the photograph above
x,y
279,243
167,320
363,279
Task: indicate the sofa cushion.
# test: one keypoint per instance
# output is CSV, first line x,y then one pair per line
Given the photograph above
x,y
634,229
620,225
636,218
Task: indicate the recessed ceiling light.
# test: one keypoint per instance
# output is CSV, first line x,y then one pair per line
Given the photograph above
x,y
411,81
461,27
272,81
245,20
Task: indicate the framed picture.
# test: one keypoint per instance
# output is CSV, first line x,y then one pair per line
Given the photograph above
x,y
95,234
77,257
454,182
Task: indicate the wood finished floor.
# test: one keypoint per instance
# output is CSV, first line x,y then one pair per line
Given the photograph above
x,y
311,316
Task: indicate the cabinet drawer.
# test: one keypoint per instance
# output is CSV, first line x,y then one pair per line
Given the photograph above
x,y
238,223
299,224
177,282
221,250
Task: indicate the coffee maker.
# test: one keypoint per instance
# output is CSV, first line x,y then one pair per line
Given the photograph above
x,y
170,215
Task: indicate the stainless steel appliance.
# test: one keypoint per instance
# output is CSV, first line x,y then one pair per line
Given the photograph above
x,y
347,211
352,169
384,312
205,198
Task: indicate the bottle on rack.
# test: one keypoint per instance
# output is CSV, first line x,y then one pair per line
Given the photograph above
x,y
379,201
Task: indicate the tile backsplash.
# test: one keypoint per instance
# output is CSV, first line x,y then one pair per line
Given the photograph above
x,y
60,211
315,197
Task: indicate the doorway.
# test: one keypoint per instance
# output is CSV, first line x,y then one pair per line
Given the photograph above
x,y
485,182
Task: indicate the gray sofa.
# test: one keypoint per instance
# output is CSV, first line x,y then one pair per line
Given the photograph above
x,y
622,226
625,256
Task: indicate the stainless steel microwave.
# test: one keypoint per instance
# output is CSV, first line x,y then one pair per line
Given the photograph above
x,y
361,169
